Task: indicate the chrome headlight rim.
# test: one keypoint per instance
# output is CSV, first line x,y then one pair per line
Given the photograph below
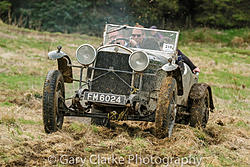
x,y
94,57
147,63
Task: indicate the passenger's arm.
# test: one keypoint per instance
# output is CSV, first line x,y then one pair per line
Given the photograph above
x,y
187,61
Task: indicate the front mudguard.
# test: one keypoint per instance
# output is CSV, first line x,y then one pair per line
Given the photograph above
x,y
62,61
174,71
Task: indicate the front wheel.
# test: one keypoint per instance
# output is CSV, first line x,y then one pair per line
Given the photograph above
x,y
166,108
53,99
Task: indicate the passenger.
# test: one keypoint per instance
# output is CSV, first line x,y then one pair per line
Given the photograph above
x,y
156,34
186,60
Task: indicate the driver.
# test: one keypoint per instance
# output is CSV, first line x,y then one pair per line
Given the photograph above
x,y
116,37
138,40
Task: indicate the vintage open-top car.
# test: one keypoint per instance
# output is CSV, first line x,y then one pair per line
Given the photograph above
x,y
128,81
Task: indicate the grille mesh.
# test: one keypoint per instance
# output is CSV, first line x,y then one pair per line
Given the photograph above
x,y
110,83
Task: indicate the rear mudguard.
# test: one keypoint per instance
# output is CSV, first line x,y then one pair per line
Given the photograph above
x,y
62,61
198,91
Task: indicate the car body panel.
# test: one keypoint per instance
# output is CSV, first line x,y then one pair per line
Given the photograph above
x,y
188,80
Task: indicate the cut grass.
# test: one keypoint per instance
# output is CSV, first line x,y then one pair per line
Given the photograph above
x,y
7,119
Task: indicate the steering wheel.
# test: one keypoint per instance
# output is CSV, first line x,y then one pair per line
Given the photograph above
x,y
118,39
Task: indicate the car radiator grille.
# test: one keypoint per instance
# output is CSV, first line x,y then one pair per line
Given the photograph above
x,y
110,83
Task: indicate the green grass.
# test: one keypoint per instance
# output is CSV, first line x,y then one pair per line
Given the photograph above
x,y
230,51
140,142
224,76
21,82
20,41
94,129
229,86
4,157
30,135
129,148
200,134
18,130
6,104
76,127
89,149
226,72
229,57
227,35
14,44
206,35
242,124
28,122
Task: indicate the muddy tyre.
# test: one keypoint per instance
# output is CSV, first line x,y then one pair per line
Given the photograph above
x,y
53,98
166,108
200,111
99,121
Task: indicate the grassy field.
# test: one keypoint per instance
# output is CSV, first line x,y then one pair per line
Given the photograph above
x,y
224,60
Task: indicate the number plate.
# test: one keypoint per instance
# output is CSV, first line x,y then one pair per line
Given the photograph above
x,y
105,98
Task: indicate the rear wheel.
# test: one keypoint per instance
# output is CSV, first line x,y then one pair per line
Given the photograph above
x,y
53,98
166,108
200,111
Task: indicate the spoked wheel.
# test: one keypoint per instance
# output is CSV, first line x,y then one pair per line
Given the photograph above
x,y
200,111
166,108
53,99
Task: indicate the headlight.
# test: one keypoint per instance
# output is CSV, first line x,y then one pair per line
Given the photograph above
x,y
85,54
138,61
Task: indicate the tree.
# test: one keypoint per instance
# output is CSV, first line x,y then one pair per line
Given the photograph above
x,y
223,13
5,6
90,16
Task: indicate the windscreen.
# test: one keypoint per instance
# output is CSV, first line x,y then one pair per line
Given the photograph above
x,y
141,38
